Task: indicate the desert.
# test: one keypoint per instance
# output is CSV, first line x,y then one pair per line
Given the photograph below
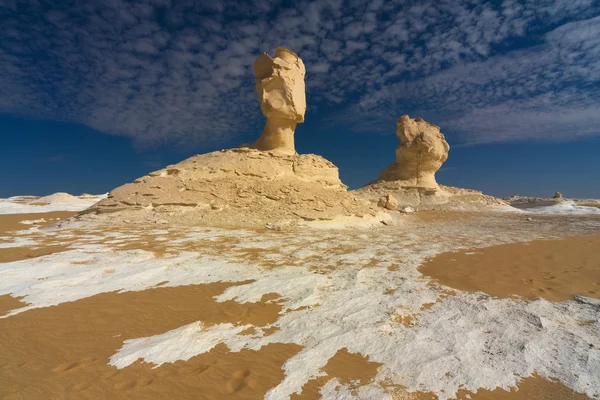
x,y
299,200
254,273
432,305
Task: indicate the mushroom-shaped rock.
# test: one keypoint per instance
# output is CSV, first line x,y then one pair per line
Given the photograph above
x,y
282,97
422,151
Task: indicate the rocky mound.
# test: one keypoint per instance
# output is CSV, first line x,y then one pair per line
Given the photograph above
x,y
239,187
62,198
266,183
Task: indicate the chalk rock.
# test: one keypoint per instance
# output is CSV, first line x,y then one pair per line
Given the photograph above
x,y
388,202
411,178
237,187
282,97
407,209
557,195
266,184
422,151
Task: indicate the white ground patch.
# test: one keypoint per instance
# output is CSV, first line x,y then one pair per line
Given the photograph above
x,y
21,205
566,207
352,297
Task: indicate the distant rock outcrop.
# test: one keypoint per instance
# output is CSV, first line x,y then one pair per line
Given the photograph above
x,y
63,198
557,195
280,88
266,184
411,178
422,151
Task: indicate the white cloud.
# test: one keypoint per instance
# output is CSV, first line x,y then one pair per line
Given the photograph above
x,y
161,72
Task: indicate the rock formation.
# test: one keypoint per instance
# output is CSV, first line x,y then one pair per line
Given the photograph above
x,y
557,195
238,187
264,185
410,180
280,88
388,202
422,151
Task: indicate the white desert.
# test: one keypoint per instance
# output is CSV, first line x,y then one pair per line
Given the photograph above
x,y
254,273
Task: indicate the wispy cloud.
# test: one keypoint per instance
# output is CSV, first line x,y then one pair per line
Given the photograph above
x,y
165,71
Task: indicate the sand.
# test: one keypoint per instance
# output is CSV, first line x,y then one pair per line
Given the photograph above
x,y
533,388
63,351
589,205
351,369
12,222
8,303
555,270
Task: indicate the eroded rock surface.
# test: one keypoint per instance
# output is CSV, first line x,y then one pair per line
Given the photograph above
x,y
238,187
266,184
281,93
422,151
410,180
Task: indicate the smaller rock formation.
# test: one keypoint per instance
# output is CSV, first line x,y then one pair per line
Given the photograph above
x,y
388,202
557,195
410,180
281,93
422,151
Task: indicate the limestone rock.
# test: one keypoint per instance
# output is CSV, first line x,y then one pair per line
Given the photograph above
x,y
411,179
422,151
264,184
282,97
557,195
388,202
237,187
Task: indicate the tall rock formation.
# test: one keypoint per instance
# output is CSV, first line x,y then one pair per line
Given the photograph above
x,y
410,180
281,93
263,184
422,151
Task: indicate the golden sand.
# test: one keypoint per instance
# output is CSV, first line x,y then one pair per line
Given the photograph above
x,y
11,222
442,216
8,303
11,254
62,351
533,388
555,270
351,369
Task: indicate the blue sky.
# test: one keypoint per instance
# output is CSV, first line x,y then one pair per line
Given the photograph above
x,y
95,94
